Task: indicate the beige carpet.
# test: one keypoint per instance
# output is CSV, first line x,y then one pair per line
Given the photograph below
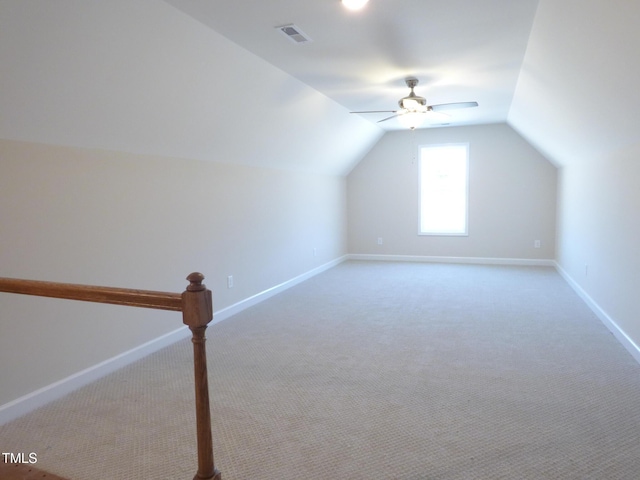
x,y
370,370
24,471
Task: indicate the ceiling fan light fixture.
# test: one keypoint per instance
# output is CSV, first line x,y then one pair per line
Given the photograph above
x,y
411,120
354,4
413,104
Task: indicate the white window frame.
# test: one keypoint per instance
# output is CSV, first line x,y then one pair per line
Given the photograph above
x,y
463,233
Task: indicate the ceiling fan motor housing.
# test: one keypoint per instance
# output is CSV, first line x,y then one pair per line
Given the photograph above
x,y
413,102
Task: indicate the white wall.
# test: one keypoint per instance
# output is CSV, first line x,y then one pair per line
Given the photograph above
x,y
512,197
577,101
110,218
599,234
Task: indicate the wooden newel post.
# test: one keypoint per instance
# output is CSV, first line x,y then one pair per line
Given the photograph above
x,y
197,312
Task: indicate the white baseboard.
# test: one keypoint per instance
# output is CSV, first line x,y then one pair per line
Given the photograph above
x,y
604,317
27,403
270,292
467,260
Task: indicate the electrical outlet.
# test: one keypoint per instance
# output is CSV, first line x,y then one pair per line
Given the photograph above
x,y
315,252
536,244
586,270
379,240
230,281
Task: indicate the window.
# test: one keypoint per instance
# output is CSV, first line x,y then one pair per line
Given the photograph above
x,y
444,175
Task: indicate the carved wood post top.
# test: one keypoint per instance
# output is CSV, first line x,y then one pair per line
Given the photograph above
x,y
197,303
195,282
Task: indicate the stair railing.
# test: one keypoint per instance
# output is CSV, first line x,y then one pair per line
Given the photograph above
x,y
196,306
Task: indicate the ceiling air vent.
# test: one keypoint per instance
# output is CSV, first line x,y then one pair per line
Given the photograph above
x,y
294,34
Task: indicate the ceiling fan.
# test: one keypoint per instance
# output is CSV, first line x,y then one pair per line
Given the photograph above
x,y
414,109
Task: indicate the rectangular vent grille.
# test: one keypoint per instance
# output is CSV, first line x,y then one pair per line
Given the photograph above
x,y
294,34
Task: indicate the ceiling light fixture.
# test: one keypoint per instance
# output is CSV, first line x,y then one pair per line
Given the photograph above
x,y
354,4
411,120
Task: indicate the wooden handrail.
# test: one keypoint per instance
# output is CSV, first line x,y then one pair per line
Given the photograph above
x,y
90,293
196,306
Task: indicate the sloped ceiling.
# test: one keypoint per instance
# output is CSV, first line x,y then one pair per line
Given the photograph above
x,y
460,50
578,94
143,77
213,80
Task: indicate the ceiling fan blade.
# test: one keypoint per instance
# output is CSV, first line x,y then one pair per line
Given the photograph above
x,y
436,115
453,106
389,118
377,111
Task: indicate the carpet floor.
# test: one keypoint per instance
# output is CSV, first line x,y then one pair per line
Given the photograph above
x,y
24,471
396,371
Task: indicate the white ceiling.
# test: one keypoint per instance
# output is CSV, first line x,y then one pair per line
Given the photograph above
x,y
460,50
214,80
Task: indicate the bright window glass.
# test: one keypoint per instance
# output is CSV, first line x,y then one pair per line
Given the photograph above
x,y
444,189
